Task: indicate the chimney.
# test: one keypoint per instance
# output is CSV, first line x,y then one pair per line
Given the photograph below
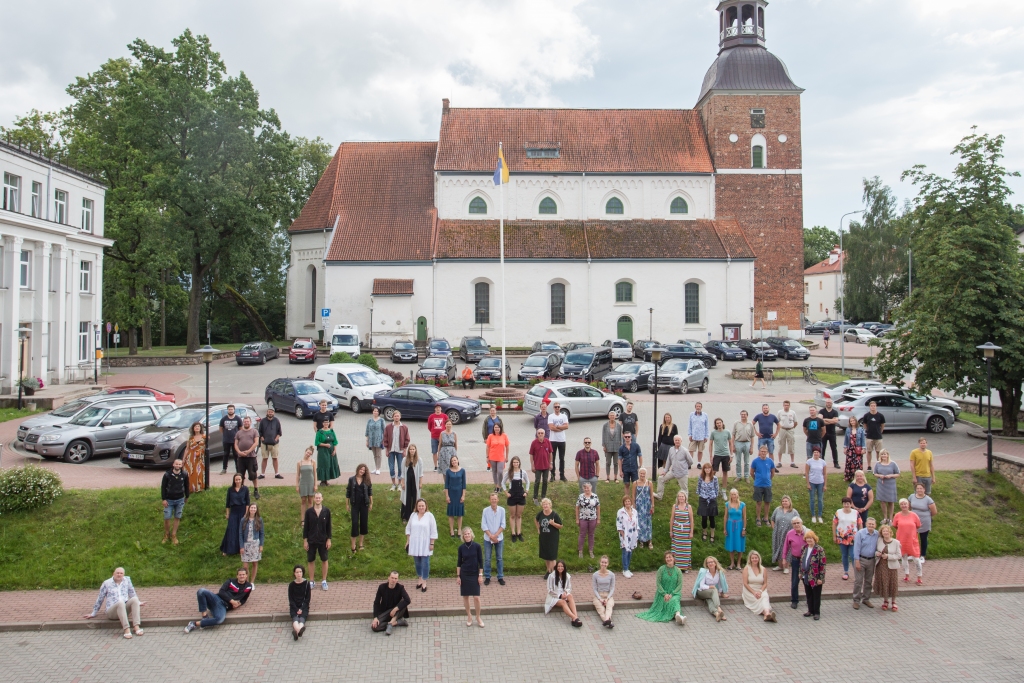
x,y
444,106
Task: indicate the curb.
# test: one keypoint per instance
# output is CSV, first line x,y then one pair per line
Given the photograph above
x,y
350,615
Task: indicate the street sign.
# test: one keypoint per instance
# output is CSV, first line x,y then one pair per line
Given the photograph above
x,y
117,339
109,327
325,313
115,327
773,315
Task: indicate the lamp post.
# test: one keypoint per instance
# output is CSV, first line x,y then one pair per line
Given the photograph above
x,y
656,359
989,349
481,311
842,295
650,323
22,335
207,353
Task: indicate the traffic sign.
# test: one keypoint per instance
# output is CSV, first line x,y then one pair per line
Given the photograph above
x,y
109,327
117,339
325,313
115,327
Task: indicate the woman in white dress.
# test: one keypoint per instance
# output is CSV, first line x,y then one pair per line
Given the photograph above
x,y
755,587
560,594
420,534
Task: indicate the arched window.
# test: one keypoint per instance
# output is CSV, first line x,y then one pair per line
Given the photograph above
x,y
614,206
547,205
478,205
482,303
679,206
691,303
758,159
623,292
558,304
312,294
757,156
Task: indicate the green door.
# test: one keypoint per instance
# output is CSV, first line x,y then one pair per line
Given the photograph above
x,y
421,329
625,328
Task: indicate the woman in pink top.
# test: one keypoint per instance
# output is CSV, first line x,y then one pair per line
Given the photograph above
x,y
792,549
497,452
907,523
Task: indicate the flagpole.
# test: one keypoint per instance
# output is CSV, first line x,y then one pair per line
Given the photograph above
x,y
501,253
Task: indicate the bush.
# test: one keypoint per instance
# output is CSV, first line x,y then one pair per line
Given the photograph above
x,y
342,357
27,488
369,360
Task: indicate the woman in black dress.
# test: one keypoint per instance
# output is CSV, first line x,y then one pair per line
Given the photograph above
x,y
666,438
359,501
516,484
470,564
234,510
298,601
411,482
548,524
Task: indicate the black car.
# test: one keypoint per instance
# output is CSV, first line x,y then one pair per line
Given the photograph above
x,y
299,396
818,327
790,349
404,351
540,366
417,401
883,330
571,346
548,347
703,354
435,367
869,325
438,346
489,368
670,351
640,345
473,349
629,376
257,352
755,348
725,350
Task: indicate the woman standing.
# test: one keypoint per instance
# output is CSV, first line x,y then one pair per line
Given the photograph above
x,y
845,524
735,531
454,491
305,481
886,473
755,587
603,582
861,494
668,593
812,573
548,523
192,457
234,510
644,503
853,447
470,563
411,482
907,524
298,601
560,593
447,448
711,586
628,526
721,449
707,500
516,483
666,437
887,567
816,473
497,453
588,516
250,540
681,532
375,437
611,440
781,522
924,507
359,502
326,443
420,534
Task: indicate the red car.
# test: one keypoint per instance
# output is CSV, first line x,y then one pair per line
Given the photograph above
x,y
302,351
140,391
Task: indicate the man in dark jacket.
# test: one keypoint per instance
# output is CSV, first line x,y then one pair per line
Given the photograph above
x,y
270,436
316,537
391,606
173,493
229,426
214,607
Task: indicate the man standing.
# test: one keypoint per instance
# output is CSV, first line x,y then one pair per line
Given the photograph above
x,y
677,466
540,420
874,426
214,607
814,430
174,492
229,426
865,542
763,470
629,420
588,466
270,436
322,416
787,440
558,424
742,437
493,419
630,462
492,523
611,439
923,464
698,431
316,538
247,440
396,440
826,334
540,461
767,426
435,424
390,606
830,416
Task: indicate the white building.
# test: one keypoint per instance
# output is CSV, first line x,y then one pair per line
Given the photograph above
x,y
823,285
51,268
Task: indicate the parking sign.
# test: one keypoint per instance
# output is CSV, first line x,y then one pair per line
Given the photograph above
x,y
325,313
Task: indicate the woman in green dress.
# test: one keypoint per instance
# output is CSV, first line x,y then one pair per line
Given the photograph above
x,y
326,459
669,582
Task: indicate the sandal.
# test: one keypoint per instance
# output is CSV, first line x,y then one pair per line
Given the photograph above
x,y
139,631
895,608
127,635
846,577
704,536
885,605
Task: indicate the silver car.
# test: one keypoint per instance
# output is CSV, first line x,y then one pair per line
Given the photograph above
x,y
900,412
680,375
924,399
839,389
97,430
69,411
574,398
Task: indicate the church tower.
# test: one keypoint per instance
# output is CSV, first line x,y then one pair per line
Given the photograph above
x,y
751,113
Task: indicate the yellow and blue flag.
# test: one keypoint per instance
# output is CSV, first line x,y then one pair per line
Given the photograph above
x,y
501,172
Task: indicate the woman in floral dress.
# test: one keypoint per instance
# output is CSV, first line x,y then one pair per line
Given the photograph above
x,y
644,504
448,447
193,457
681,531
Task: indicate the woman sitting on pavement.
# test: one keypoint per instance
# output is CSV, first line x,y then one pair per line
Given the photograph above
x,y
560,593
667,595
755,587
710,586
603,582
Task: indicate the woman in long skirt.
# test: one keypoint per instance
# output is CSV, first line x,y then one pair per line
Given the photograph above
x,y
447,449
681,531
644,504
411,482
192,458
887,567
781,522
326,443
234,510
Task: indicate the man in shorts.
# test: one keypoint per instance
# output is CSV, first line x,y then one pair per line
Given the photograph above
x,y
767,426
787,439
699,429
270,436
630,462
762,470
873,423
174,493
316,537
247,440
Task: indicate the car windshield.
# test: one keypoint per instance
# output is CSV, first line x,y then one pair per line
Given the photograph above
x,y
476,344
579,358
490,363
550,346
182,418
305,388
363,379
727,345
251,347
628,368
404,346
537,391
434,363
678,347
536,362
760,345
675,366
69,409
434,392
345,340
792,343
302,345
90,417
439,345
621,344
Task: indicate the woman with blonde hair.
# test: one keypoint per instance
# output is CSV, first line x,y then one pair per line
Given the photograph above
x,y
755,587
306,483
469,574
681,531
886,473
628,526
666,437
192,457
888,554
907,523
781,522
735,529
710,586
516,483
643,501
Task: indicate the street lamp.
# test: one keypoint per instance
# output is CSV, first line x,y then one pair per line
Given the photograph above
x,y
989,349
656,359
650,323
22,335
481,311
842,295
207,353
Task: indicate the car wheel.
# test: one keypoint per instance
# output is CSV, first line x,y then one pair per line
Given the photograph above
x,y
299,412
389,413
633,386
684,388
936,425
704,386
78,452
565,411
290,361
617,409
270,404
454,417
356,406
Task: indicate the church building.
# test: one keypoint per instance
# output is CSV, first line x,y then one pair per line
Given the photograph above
x,y
608,214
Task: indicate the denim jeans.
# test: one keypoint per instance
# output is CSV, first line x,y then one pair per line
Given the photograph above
x,y
499,551
766,441
809,448
211,602
422,566
847,551
627,556
395,464
742,458
817,493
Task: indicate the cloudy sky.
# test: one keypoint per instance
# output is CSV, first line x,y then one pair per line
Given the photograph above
x,y
889,83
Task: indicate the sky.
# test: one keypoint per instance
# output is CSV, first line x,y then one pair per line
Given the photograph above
x,y
889,83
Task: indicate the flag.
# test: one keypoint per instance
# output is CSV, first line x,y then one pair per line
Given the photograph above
x,y
501,172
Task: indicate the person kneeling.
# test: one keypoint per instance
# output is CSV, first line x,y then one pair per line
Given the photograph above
x,y
214,607
391,606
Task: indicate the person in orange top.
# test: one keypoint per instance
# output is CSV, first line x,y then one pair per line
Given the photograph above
x,y
467,378
497,453
907,523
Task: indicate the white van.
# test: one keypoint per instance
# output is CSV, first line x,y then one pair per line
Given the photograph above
x,y
353,384
345,340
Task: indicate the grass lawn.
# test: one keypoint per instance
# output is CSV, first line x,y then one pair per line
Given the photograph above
x,y
160,351
13,413
982,421
796,373
85,534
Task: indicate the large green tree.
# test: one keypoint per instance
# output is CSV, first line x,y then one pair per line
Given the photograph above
x,y
970,282
818,243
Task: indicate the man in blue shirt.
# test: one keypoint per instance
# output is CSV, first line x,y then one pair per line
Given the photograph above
x,y
762,470
630,462
698,430
865,544
767,426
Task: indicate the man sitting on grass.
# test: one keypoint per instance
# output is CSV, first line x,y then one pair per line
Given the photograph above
x,y
391,606
214,608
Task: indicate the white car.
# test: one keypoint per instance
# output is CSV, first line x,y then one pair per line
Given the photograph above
x,y
859,335
621,349
574,398
345,339
351,383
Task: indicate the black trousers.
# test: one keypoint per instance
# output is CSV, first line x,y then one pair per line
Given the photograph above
x,y
537,477
813,598
360,520
558,456
704,519
830,440
229,454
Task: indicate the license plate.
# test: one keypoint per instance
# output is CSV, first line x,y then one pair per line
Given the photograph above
x,y
136,456
29,446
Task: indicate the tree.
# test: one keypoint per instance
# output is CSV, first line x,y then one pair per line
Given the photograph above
x,y
970,282
41,133
818,243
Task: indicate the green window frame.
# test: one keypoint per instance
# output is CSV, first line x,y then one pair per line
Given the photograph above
x,y
547,206
679,206
691,303
558,304
757,156
623,292
477,205
614,206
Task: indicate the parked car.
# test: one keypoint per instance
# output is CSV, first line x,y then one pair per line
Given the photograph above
x,y
725,350
161,442
548,347
435,367
755,348
900,412
473,349
303,350
621,348
629,376
869,325
679,376
859,335
417,401
299,396
640,345
136,392
345,339
98,430
438,346
353,384
539,365
575,400
69,411
385,379
839,389
404,351
921,399
670,351
257,352
489,368
818,327
575,345
790,349
709,358
589,363
882,330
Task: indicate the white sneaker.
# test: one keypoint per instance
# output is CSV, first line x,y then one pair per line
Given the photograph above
x,y
627,574
323,584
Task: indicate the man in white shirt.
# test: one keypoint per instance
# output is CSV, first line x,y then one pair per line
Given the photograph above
x,y
492,523
787,439
677,466
558,425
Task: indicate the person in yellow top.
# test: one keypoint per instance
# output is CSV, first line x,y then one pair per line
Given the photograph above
x,y
923,464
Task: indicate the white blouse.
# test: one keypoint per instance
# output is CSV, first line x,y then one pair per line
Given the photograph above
x,y
421,531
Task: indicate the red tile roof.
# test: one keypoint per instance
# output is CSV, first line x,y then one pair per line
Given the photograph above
x,y
391,287
589,140
825,267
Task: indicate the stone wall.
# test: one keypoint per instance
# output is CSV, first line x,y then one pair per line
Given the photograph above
x,y
1010,467
154,361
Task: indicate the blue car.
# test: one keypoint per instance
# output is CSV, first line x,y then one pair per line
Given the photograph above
x,y
725,350
298,396
417,401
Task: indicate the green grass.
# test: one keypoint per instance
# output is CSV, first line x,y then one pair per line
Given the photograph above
x,y
796,373
13,413
85,534
982,421
161,351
